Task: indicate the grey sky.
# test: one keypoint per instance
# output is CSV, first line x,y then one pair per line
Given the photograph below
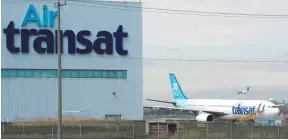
x,y
206,37
198,37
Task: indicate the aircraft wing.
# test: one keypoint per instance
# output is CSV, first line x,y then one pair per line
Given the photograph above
x,y
214,113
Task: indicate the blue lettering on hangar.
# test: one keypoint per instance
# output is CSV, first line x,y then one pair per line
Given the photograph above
x,y
47,36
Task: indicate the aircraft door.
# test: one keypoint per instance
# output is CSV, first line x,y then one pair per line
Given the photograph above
x,y
261,107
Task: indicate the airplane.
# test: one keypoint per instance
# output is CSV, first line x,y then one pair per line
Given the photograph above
x,y
243,91
209,110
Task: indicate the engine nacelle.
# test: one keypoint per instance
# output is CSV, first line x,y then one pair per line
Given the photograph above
x,y
271,99
204,117
275,101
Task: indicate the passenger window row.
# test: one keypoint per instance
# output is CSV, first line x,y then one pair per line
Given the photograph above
x,y
272,107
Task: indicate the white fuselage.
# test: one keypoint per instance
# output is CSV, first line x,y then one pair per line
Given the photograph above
x,y
243,92
234,109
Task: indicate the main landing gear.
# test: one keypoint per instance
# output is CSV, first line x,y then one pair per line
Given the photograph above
x,y
233,121
251,121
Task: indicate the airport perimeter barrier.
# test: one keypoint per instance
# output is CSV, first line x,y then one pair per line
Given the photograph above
x,y
141,130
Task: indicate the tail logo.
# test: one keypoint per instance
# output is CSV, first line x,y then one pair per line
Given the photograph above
x,y
175,88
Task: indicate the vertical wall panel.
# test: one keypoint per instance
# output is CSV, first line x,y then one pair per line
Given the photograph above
x,y
37,97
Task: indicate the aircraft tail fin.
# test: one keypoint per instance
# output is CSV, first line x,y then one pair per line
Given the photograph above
x,y
177,92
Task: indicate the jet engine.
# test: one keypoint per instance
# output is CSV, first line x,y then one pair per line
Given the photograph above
x,y
204,117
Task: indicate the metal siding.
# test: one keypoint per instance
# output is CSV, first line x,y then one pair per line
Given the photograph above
x,y
33,98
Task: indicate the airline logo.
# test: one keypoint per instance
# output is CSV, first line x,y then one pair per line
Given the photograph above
x,y
175,88
243,110
47,36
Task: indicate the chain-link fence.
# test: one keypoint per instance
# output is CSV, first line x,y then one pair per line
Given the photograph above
x,y
142,130
233,131
74,130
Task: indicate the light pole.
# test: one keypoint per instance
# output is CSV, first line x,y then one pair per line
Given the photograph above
x,y
59,72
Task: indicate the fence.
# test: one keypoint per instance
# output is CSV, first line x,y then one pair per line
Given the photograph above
x,y
141,130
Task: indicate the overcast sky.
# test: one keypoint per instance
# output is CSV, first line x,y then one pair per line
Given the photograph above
x,y
206,37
